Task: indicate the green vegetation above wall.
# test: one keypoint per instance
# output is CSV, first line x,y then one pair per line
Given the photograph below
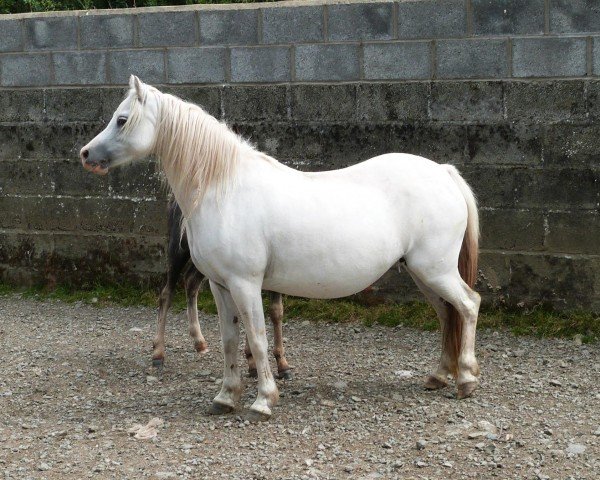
x,y
24,6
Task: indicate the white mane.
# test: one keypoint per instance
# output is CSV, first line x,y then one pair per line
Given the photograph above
x,y
194,149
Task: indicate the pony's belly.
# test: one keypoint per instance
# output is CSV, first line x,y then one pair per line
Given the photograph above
x,y
323,281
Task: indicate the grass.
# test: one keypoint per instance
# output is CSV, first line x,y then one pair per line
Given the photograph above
x,y
540,322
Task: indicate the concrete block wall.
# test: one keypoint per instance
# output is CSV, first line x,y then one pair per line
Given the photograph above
x,y
506,90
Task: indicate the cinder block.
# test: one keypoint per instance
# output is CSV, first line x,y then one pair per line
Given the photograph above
x,y
560,189
167,29
383,102
106,31
10,146
312,147
111,99
505,144
70,178
255,103
43,141
500,186
148,65
138,179
140,256
229,27
260,64
466,101
196,65
292,25
572,145
25,250
51,213
561,281
574,232
22,177
150,218
324,103
471,58
327,62
80,68
51,33
11,38
401,61
360,21
75,104
549,57
511,229
439,142
18,105
107,215
574,16
508,17
545,101
12,212
432,19
596,55
26,70
592,108
209,98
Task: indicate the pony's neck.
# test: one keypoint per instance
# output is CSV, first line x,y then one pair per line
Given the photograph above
x,y
197,153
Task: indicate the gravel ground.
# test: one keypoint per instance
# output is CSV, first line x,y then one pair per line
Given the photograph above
x,y
76,378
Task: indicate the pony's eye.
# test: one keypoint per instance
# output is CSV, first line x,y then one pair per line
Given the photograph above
x,y
121,121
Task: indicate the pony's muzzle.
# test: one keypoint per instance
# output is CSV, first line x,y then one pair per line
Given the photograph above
x,y
99,167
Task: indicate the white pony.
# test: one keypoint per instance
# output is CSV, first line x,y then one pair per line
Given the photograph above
x,y
254,224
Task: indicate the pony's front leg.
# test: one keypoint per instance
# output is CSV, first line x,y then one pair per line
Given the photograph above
x,y
231,390
248,300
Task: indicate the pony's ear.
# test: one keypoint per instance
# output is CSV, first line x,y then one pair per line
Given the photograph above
x,y
138,85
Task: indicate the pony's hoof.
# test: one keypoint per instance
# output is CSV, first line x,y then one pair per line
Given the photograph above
x,y
434,382
285,375
253,373
202,348
465,390
255,417
158,363
220,409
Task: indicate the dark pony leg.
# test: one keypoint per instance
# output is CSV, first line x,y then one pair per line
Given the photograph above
x,y
177,256
193,280
276,315
252,372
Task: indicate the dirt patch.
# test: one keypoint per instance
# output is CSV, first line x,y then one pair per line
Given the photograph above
x,y
75,379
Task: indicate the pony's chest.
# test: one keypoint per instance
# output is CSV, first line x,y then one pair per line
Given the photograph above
x,y
221,247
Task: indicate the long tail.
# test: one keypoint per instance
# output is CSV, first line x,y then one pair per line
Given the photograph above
x,y
467,267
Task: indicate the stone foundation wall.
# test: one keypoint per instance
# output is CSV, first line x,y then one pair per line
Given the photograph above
x,y
507,91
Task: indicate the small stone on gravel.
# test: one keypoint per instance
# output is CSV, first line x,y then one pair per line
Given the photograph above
x,y
575,448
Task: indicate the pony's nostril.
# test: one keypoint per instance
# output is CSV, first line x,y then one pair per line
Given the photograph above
x,y
85,154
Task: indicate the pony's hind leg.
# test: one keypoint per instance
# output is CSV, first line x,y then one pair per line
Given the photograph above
x,y
193,280
276,315
439,378
459,326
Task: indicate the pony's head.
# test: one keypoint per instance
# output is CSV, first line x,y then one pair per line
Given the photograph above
x,y
131,133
